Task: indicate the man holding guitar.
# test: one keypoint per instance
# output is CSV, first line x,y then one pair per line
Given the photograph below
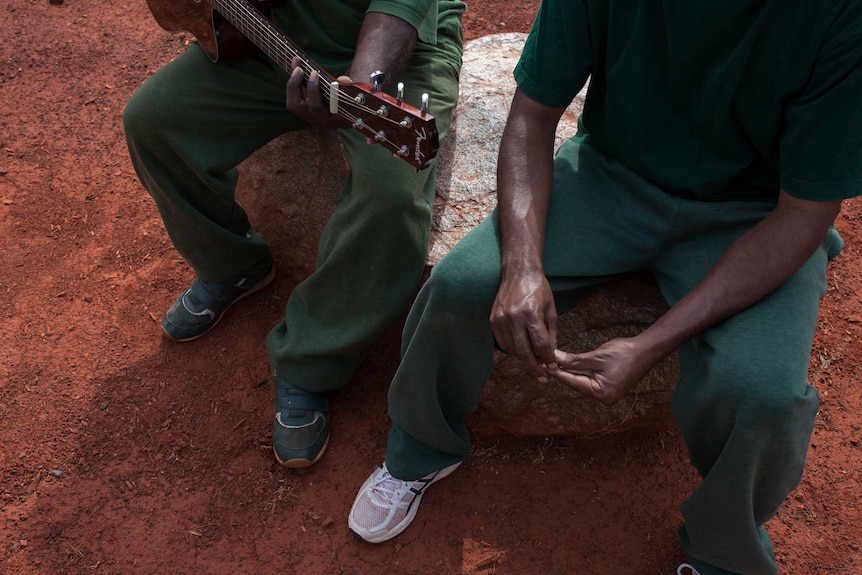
x,y
195,120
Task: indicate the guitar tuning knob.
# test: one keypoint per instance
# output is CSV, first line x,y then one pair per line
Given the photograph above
x,y
424,107
399,95
377,79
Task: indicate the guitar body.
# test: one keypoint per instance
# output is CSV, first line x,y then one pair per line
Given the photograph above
x,y
218,37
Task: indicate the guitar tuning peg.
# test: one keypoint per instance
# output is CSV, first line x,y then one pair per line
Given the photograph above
x,y
424,107
377,79
399,95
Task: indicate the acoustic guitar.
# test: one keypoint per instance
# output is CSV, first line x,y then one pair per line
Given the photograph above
x,y
226,28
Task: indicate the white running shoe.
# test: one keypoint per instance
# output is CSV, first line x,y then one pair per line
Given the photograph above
x,y
691,570
385,505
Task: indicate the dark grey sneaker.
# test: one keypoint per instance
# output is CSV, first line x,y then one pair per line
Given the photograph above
x,y
201,307
300,429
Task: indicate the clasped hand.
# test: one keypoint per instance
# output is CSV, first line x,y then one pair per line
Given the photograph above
x,y
524,324
304,99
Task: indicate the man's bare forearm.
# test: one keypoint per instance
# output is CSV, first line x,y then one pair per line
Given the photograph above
x,y
524,179
753,267
385,44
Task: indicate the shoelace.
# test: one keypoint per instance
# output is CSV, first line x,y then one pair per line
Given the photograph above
x,y
386,488
683,566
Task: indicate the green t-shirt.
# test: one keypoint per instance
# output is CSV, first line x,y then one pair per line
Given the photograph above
x,y
711,100
328,29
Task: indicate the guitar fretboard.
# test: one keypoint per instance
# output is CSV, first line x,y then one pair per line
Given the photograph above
x,y
269,39
404,130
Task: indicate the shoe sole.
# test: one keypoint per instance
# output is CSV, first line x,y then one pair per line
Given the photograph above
x,y
411,512
300,463
261,284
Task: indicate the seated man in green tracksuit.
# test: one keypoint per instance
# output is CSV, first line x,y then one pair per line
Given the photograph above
x,y
195,120
715,147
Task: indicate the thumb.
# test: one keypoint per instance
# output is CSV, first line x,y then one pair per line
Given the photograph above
x,y
568,360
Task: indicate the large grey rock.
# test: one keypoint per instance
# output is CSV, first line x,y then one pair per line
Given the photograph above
x,y
467,175
290,187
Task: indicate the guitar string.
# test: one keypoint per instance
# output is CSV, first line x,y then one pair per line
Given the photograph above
x,y
247,18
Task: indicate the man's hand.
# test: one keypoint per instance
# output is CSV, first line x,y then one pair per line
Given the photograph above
x,y
752,268
385,44
524,322
606,373
524,317
305,100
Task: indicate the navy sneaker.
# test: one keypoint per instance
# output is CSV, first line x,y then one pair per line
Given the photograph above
x,y
300,430
201,307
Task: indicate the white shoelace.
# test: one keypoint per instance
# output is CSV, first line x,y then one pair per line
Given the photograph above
x,y
387,489
683,566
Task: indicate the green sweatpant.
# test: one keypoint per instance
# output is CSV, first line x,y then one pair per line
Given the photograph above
x,y
742,402
194,121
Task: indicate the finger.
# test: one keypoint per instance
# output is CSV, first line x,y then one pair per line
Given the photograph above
x,y
293,92
540,339
312,89
501,340
524,351
344,80
528,361
565,359
589,383
552,319
501,329
580,382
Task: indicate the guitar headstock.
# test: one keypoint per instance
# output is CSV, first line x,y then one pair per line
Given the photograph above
x,y
407,132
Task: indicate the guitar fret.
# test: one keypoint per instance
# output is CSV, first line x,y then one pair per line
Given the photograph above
x,y
262,33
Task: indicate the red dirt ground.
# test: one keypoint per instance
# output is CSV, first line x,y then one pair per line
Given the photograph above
x,y
125,454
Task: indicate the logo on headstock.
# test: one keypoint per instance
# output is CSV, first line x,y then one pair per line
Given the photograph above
x,y
421,136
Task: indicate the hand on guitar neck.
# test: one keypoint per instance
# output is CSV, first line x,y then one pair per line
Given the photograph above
x,y
304,99
406,131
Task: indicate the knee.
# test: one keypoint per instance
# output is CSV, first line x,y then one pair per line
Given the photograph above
x,y
131,117
773,400
778,398
138,117
464,276
146,114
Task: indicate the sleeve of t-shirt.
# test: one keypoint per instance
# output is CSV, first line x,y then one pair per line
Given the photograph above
x,y
821,146
421,14
557,55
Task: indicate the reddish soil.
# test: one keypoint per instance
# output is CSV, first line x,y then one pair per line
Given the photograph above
x,y
123,453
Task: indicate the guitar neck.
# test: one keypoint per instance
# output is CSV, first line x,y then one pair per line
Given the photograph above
x,y
405,131
269,39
